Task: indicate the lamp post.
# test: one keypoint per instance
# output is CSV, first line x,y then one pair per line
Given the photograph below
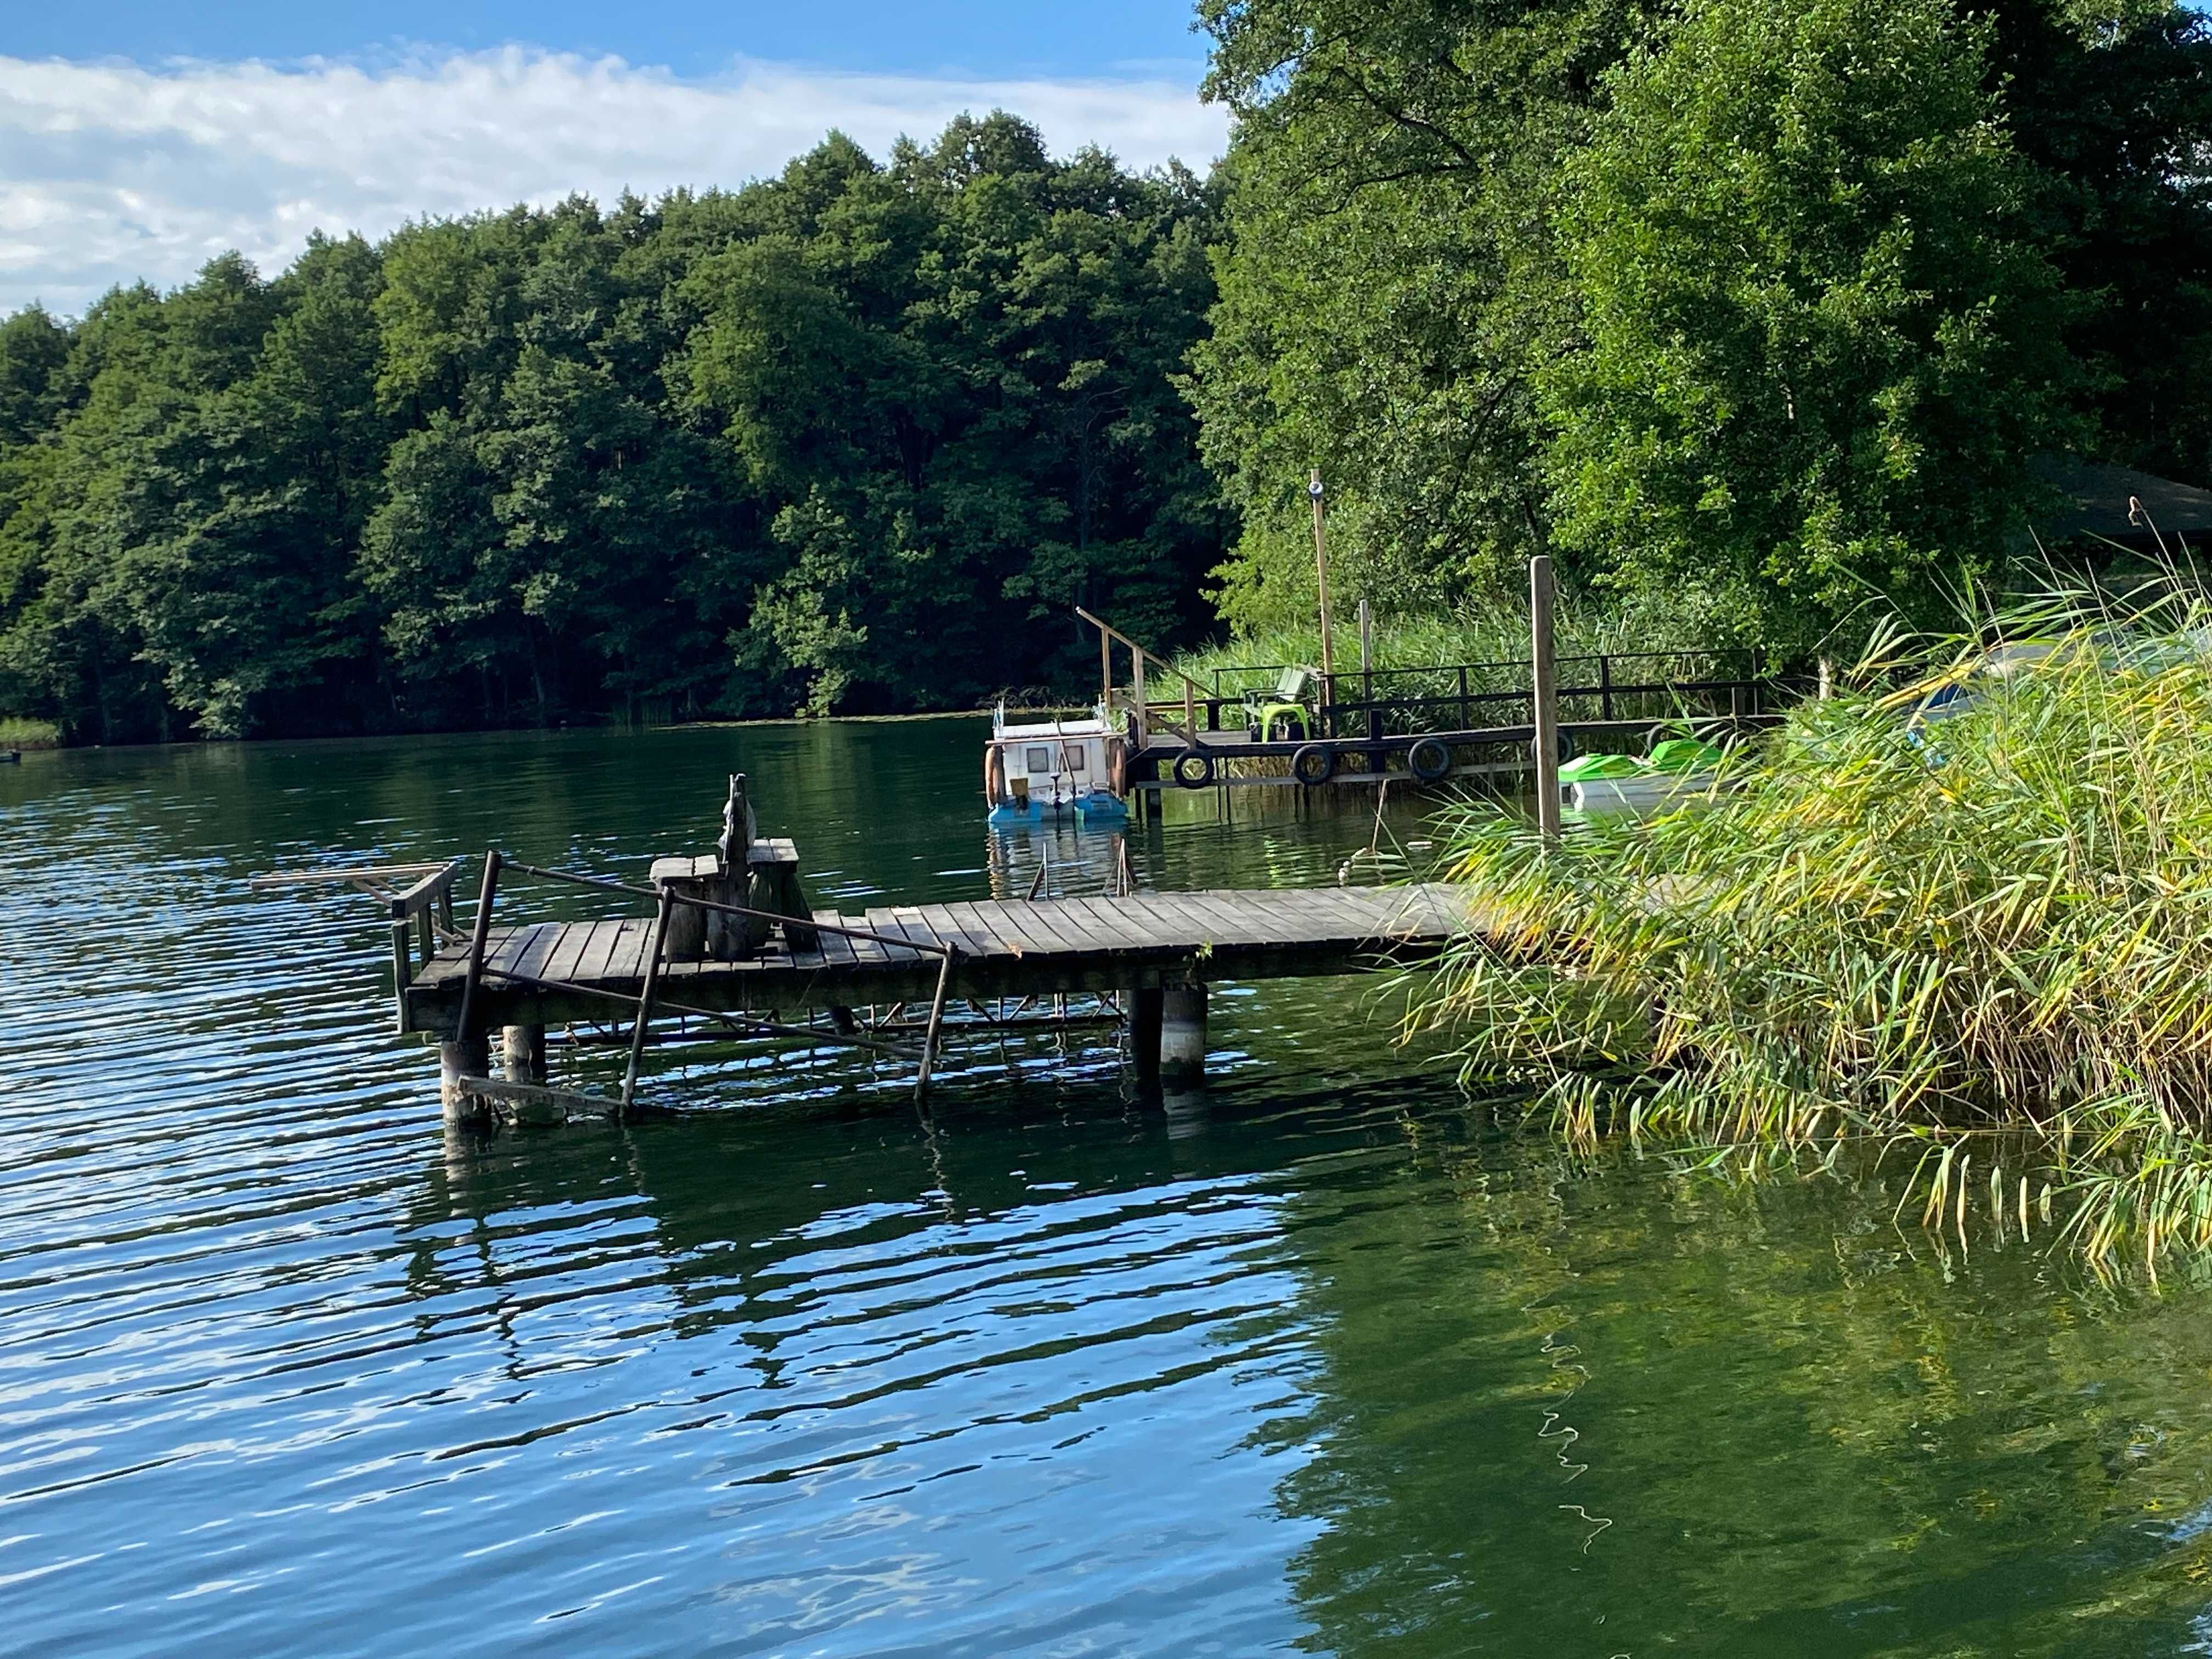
x,y
1321,576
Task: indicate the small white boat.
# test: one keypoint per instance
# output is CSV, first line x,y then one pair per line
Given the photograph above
x,y
1054,766
1643,794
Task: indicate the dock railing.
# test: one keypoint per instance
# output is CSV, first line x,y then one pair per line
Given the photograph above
x,y
667,900
1146,712
423,910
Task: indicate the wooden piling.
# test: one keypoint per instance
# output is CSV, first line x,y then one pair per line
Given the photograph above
x,y
1181,1033
522,1053
1145,1009
463,1059
1545,679
1320,579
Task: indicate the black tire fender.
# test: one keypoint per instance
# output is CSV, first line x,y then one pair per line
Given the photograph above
x,y
1313,764
1193,768
1430,759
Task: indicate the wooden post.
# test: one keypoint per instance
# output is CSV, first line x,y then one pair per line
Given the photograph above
x,y
1137,692
464,1057
522,1053
1367,650
1182,1032
1827,687
645,999
466,1030
1144,1005
1545,694
1105,670
1320,577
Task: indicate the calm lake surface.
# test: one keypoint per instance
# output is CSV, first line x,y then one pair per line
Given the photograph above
x,y
1321,1359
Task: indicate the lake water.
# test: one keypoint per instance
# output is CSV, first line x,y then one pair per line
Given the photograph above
x,y
1320,1359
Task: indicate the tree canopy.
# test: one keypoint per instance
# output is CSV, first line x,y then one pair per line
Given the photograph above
x,y
853,437
1766,308
1762,312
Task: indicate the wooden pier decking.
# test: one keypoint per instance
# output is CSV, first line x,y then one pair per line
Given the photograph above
x,y
548,973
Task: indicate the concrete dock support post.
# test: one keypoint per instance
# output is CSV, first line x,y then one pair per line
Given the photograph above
x,y
464,1057
1183,1033
522,1053
1145,1001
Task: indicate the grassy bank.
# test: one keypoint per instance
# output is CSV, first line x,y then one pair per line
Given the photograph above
x,y
17,731
1936,935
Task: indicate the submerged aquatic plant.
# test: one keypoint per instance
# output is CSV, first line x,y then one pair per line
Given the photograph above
x,y
1881,923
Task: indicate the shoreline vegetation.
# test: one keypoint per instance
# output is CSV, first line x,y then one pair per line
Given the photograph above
x,y
1960,911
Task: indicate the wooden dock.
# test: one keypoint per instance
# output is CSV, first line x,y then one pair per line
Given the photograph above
x,y
731,945
550,973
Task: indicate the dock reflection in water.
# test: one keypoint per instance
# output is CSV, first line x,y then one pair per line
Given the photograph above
x,y
1320,1359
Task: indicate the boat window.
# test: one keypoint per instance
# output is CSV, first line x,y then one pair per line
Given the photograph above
x,y
1074,752
1039,758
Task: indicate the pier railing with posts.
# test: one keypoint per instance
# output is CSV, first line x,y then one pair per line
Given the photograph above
x,y
649,998
1369,704
422,912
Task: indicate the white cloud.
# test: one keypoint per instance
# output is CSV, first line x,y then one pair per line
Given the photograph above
x,y
110,170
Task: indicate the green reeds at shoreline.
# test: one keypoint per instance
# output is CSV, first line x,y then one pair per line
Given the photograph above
x,y
1929,933
18,732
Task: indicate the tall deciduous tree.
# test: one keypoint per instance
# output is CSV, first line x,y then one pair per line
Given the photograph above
x,y
1815,343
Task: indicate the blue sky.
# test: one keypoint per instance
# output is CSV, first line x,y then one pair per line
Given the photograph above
x,y
138,140
983,38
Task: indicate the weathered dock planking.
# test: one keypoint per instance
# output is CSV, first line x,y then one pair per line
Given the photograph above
x,y
550,973
731,945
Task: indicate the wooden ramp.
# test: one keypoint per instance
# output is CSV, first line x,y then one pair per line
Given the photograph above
x,y
552,973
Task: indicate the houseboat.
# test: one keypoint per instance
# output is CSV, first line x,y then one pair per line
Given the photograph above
x,y
1054,766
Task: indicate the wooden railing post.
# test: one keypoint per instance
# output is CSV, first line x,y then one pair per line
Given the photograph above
x,y
1545,695
645,998
478,935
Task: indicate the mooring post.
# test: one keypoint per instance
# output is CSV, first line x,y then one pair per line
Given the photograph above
x,y
459,1059
1144,1026
522,1053
1545,694
1183,1033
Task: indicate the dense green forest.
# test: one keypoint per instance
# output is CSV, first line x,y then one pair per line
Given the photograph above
x,y
853,438
1751,313
1751,310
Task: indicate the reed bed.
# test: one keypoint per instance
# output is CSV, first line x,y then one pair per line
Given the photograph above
x,y
1959,937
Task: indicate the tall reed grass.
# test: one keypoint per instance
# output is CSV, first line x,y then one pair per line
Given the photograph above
x,y
20,732
1939,934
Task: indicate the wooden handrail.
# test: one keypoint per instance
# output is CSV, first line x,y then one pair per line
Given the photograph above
x,y
1112,632
429,890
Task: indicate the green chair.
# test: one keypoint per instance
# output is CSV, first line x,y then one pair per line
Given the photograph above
x,y
1285,705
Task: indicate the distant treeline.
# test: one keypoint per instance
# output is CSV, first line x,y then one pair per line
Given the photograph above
x,y
1753,313
856,437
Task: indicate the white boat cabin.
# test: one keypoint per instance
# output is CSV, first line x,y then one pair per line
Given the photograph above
x,y
1054,766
